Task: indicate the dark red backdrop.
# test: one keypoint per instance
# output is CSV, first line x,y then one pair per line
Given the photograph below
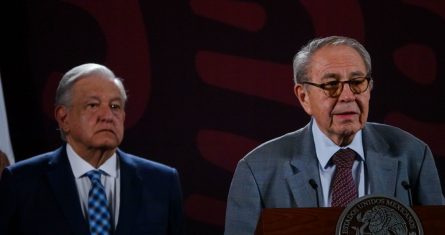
x,y
209,80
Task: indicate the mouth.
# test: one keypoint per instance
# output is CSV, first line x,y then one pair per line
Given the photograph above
x,y
106,130
345,115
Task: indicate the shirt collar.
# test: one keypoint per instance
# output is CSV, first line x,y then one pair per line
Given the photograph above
x,y
79,166
325,147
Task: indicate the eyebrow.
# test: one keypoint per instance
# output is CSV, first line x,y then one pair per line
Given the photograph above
x,y
117,99
97,98
337,76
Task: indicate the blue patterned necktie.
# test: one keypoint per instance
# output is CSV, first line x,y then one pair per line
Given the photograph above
x,y
98,213
343,186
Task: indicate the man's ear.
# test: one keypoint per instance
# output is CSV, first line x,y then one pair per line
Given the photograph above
x,y
61,114
303,97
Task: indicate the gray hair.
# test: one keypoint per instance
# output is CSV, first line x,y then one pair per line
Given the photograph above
x,y
64,90
303,58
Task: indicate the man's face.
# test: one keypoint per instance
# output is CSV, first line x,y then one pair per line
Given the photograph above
x,y
95,119
341,117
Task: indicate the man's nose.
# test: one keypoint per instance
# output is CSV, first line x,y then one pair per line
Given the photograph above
x,y
106,113
346,93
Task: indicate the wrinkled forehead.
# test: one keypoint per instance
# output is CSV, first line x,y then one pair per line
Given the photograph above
x,y
100,83
96,82
336,61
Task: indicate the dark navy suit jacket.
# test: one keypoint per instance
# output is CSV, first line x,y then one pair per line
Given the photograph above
x,y
39,196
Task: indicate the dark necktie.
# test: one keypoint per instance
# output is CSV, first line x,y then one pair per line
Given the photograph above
x,y
99,216
343,186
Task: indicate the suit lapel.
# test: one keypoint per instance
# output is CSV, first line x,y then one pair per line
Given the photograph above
x,y
131,195
61,180
303,167
303,193
381,170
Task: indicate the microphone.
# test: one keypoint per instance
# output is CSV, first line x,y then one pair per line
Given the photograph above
x,y
407,187
314,185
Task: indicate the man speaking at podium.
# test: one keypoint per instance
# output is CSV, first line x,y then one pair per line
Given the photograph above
x,y
338,156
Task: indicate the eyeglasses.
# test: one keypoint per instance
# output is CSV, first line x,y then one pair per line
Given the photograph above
x,y
334,88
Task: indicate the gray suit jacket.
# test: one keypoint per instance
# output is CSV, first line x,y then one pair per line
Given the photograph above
x,y
276,174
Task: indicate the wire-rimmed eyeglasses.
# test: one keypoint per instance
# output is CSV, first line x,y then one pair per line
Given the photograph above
x,y
334,88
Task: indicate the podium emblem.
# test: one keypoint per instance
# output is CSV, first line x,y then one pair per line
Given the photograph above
x,y
371,215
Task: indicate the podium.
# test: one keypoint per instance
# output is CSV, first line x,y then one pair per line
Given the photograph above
x,y
323,221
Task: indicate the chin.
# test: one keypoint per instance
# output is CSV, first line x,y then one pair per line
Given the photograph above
x,y
349,131
108,144
106,147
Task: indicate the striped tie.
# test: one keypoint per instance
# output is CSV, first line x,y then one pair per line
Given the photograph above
x,y
98,214
343,185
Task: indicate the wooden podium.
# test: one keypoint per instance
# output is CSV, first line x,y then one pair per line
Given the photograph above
x,y
323,221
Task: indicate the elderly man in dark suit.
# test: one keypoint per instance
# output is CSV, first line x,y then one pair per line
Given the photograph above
x,y
89,186
338,156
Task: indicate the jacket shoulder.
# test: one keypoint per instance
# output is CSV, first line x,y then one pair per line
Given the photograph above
x,y
33,164
281,148
143,164
391,134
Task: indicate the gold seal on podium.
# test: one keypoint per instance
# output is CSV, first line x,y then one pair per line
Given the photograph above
x,y
378,215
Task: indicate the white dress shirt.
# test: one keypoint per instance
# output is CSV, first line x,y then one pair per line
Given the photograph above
x,y
325,149
110,180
